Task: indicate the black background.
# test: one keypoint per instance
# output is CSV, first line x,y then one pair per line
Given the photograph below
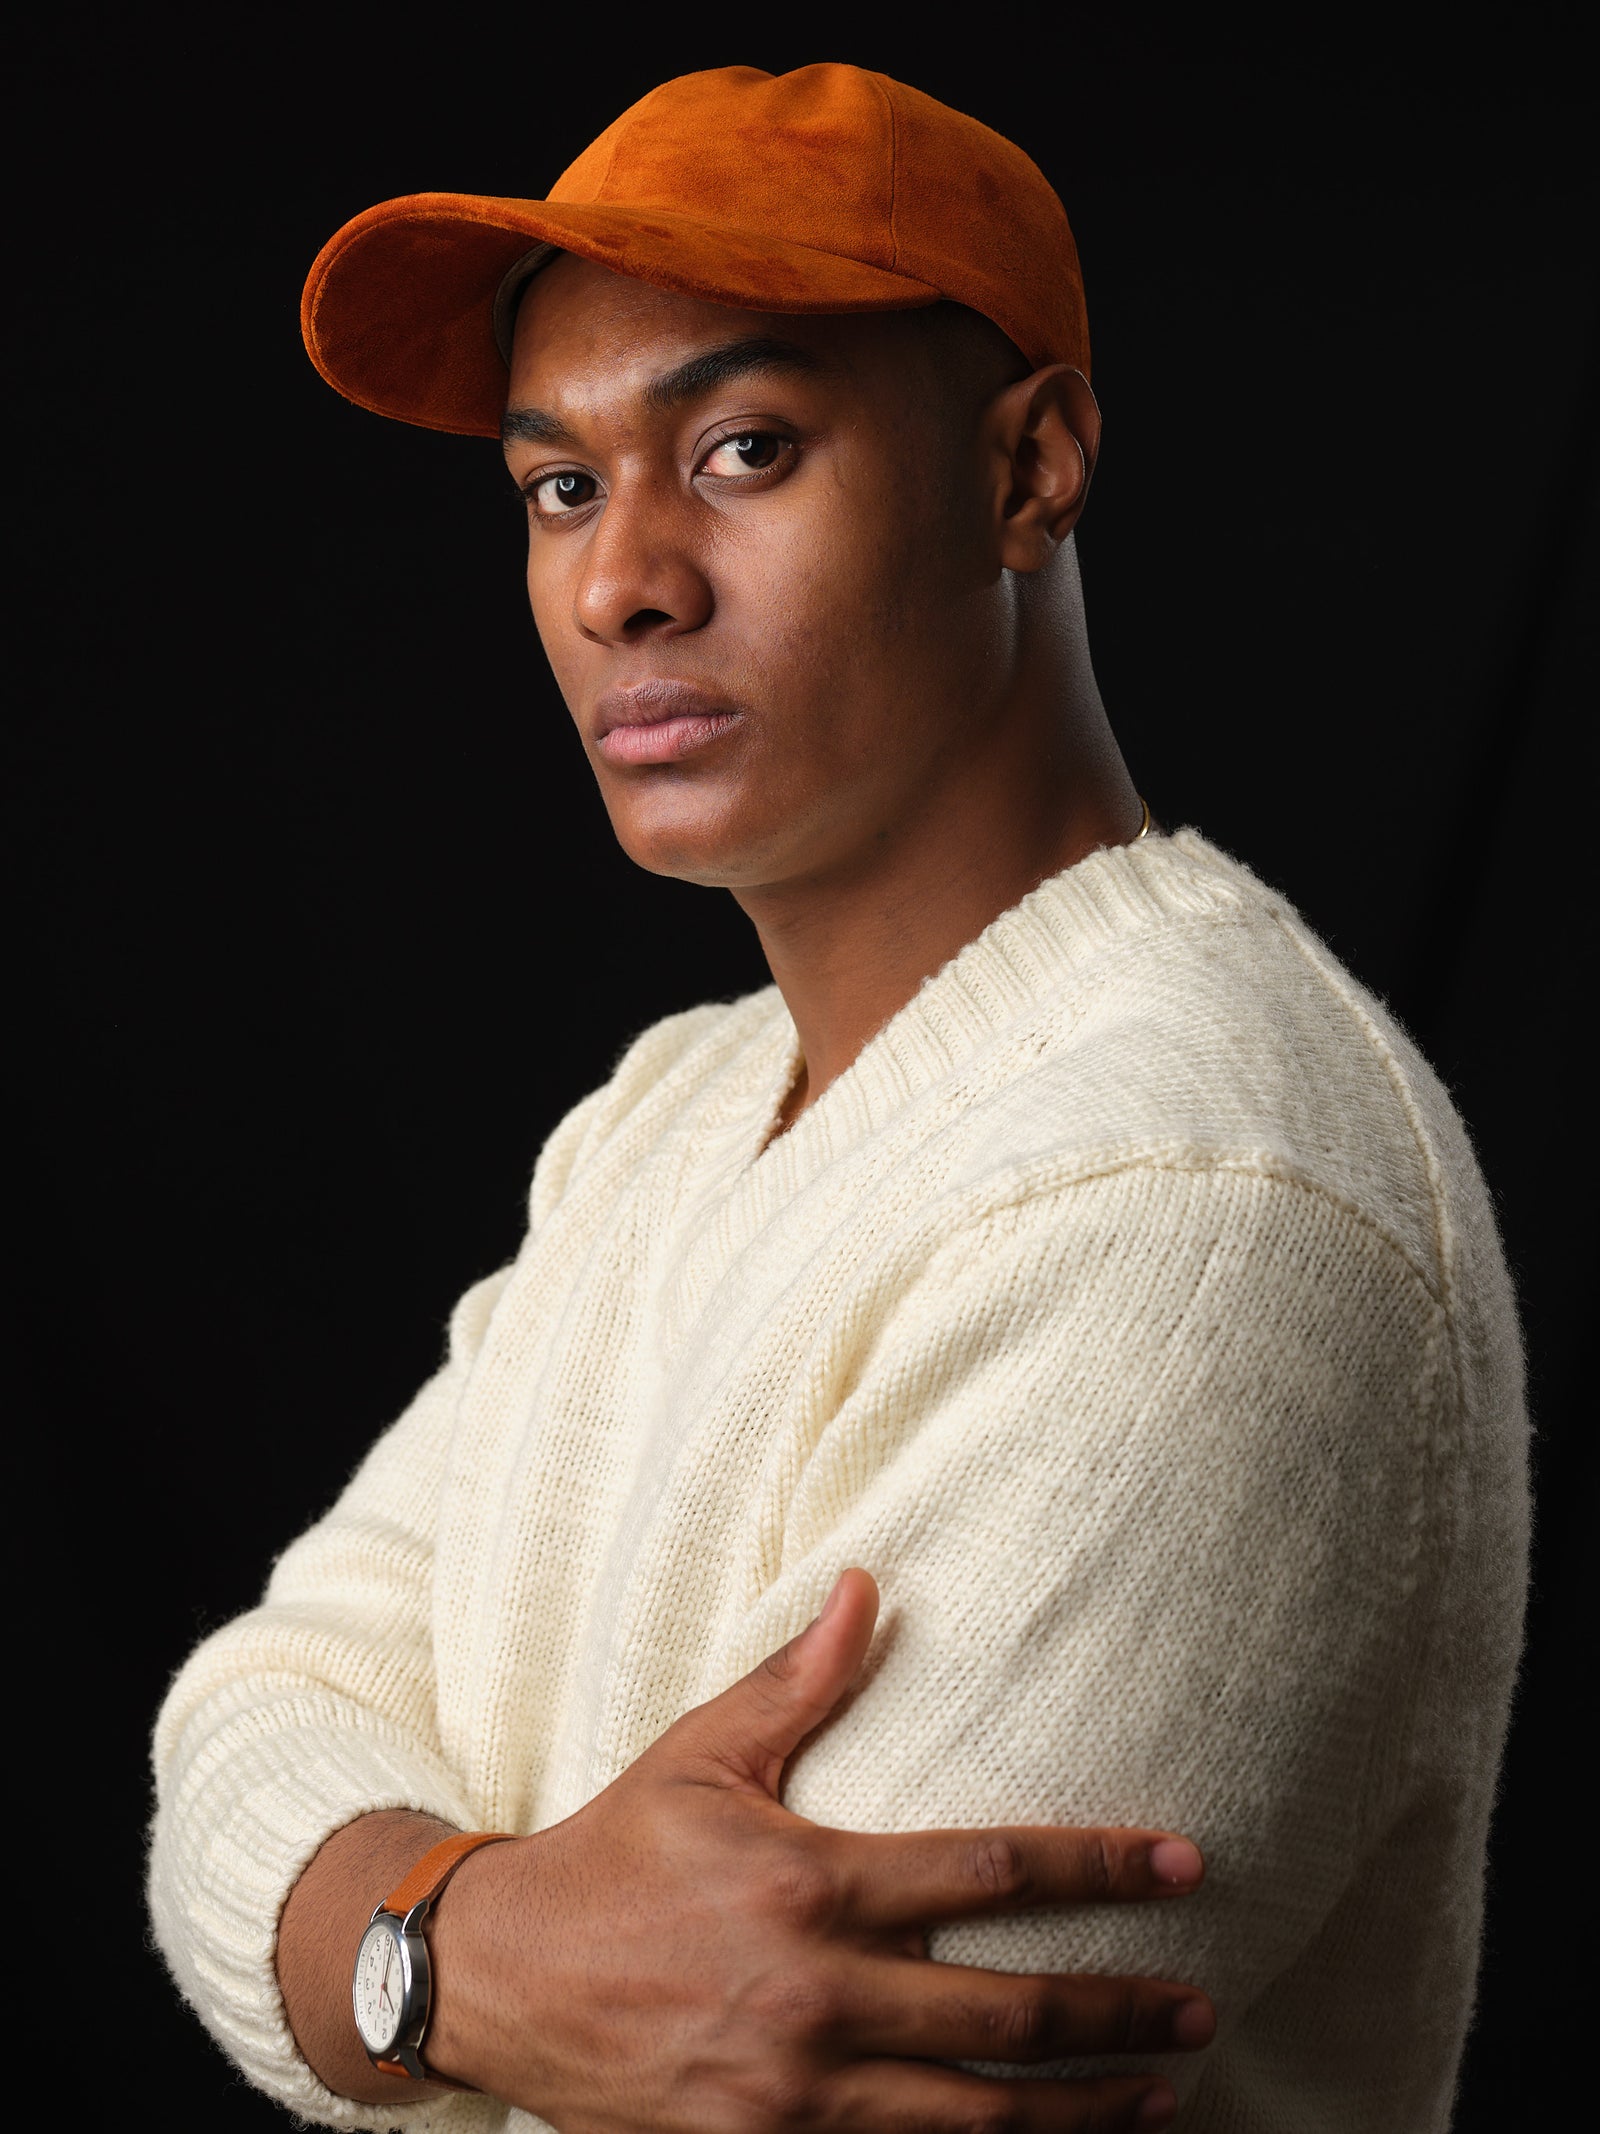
x,y
328,926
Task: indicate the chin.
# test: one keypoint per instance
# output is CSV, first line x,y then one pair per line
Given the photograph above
x,y
696,843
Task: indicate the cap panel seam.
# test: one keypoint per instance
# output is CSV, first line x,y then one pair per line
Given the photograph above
x,y
882,86
616,136
611,161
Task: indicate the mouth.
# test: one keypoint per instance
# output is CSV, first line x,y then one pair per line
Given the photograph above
x,y
660,722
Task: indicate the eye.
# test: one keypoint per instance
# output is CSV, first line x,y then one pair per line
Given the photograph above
x,y
750,452
559,494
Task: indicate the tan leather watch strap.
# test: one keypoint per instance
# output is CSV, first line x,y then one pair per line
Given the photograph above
x,y
435,1868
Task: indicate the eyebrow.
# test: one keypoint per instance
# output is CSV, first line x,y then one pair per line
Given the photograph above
x,y
701,374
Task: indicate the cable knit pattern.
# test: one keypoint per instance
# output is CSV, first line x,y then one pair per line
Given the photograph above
x,y
1133,1308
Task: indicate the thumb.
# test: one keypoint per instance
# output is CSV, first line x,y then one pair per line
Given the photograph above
x,y
752,1729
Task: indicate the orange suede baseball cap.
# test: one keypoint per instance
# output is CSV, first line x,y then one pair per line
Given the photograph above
x,y
830,189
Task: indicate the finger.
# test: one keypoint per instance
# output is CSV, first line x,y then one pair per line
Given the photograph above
x,y
923,2011
914,1878
901,2097
752,1729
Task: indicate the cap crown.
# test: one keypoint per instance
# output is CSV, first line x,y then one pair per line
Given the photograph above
x,y
807,156
830,189
848,162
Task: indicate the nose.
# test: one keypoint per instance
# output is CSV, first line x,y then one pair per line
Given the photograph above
x,y
641,576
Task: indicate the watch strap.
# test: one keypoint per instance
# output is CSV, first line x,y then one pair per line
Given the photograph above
x,y
409,2064
421,1886
435,1868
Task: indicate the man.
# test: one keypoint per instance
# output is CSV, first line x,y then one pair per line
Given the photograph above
x,y
1064,1238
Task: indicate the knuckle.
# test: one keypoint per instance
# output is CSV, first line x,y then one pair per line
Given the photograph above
x,y
778,1666
1100,1866
777,2097
801,1889
1022,2026
795,2009
1128,2022
996,1865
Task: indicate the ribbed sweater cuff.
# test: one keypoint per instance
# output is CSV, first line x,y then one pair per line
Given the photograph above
x,y
256,1800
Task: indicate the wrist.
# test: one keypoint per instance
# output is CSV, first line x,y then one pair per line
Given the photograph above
x,y
467,1933
321,1925
392,1987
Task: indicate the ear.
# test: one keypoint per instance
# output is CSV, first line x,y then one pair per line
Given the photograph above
x,y
1044,433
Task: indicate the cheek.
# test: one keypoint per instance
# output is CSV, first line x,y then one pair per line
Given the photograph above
x,y
819,588
544,594
836,606
550,579
870,603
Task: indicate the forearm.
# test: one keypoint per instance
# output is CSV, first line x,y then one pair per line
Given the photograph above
x,y
616,1971
311,1712
318,1933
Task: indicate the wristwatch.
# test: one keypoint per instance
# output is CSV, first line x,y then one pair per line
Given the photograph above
x,y
392,1989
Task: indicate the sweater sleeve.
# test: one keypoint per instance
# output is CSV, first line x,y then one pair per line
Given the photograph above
x,y
313,1709
1147,1467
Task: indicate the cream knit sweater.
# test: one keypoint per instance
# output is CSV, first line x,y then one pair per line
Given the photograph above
x,y
1133,1309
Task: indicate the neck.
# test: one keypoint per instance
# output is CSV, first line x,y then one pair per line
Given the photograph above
x,y
848,950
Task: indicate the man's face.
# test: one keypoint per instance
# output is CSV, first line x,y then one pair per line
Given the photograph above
x,y
761,564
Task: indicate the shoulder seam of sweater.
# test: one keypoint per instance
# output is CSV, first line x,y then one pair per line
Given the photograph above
x,y
1378,1043
1258,1163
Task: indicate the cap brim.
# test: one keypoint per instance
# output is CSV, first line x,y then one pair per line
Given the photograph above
x,y
398,310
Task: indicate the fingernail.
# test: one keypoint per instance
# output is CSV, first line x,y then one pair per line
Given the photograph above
x,y
1157,2106
1194,2022
832,1600
1176,1861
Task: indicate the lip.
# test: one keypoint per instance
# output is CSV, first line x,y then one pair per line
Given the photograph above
x,y
660,721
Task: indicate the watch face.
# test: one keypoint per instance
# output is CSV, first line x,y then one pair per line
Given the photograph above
x,y
378,1988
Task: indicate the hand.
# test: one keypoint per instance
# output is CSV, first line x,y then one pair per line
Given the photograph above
x,y
685,1956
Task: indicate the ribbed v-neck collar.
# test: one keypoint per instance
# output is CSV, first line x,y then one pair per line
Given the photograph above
x,y
1031,953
